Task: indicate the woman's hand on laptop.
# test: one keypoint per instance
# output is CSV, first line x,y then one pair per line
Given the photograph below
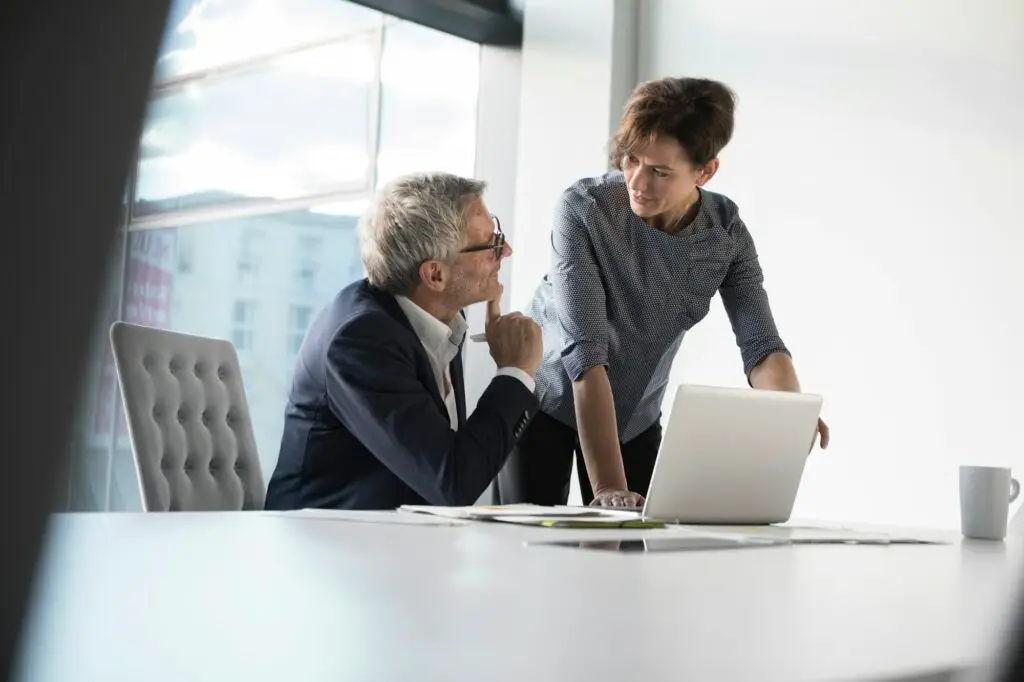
x,y
822,436
617,498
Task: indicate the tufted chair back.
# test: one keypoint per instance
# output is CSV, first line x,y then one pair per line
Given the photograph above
x,y
188,420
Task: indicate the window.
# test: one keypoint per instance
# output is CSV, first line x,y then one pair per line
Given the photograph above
x,y
212,301
308,250
430,83
204,36
249,255
148,285
186,254
298,322
299,126
242,323
269,125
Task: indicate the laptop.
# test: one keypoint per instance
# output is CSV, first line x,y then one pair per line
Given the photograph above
x,y
732,456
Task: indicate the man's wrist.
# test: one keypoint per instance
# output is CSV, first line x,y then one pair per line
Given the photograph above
x,y
512,365
518,373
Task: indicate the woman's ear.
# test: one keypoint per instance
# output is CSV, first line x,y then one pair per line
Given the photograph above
x,y
707,172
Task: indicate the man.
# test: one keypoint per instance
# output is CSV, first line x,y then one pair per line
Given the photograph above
x,y
376,417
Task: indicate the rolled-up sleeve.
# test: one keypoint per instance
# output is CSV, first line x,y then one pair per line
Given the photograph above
x,y
746,303
578,290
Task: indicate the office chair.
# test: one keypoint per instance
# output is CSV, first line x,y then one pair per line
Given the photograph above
x,y
188,420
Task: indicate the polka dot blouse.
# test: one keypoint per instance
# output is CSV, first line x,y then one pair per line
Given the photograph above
x,y
622,294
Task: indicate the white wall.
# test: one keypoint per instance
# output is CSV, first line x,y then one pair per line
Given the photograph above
x,y
497,126
544,118
879,163
578,66
496,136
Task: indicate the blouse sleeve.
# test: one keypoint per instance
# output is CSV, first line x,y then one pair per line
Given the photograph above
x,y
746,303
579,293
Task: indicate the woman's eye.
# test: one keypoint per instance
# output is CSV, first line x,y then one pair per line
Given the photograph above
x,y
660,174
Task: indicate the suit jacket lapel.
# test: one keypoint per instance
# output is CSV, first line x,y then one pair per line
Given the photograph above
x,y
390,305
458,385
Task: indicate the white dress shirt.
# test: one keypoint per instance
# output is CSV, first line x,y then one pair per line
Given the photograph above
x,y
441,342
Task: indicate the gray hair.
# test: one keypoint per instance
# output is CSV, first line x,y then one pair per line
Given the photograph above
x,y
414,218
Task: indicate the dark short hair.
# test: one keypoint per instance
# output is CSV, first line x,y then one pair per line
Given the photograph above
x,y
695,112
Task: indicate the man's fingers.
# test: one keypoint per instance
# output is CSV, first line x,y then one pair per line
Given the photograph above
x,y
493,310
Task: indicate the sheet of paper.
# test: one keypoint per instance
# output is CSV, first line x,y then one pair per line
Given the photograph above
x,y
805,534
657,543
488,512
815,535
581,521
385,517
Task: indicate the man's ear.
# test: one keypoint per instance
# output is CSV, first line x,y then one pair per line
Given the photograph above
x,y
433,275
708,172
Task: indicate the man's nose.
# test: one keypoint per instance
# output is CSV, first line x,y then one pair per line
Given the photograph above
x,y
506,250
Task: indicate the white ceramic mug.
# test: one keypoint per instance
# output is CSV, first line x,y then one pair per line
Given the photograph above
x,y
985,497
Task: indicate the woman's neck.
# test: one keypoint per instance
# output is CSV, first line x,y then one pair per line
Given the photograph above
x,y
679,219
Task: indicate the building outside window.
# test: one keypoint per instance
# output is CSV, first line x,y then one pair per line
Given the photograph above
x,y
298,323
307,260
242,325
249,256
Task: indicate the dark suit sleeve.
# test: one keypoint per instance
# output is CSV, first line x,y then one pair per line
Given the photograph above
x,y
374,391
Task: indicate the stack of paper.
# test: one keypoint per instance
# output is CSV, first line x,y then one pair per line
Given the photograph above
x,y
384,517
536,515
815,535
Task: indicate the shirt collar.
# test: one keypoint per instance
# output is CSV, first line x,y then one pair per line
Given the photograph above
x,y
435,335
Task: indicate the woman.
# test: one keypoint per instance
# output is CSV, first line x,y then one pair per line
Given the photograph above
x,y
638,254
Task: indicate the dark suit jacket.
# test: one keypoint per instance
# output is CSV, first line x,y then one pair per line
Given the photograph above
x,y
366,426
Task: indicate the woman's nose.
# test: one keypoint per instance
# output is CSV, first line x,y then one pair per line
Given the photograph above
x,y
636,183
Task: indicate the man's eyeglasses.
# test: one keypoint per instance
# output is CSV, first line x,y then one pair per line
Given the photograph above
x,y
497,243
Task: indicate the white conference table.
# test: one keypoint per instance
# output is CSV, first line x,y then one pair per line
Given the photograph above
x,y
260,596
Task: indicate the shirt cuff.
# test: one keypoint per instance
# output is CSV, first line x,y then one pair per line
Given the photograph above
x,y
753,356
518,374
580,356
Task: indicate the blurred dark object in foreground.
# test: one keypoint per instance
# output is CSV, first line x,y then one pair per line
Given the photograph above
x,y
76,77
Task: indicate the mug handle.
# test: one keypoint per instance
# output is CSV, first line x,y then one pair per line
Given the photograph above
x,y
1014,489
